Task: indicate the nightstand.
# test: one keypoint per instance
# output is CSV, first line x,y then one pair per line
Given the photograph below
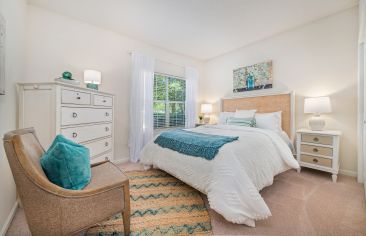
x,y
319,150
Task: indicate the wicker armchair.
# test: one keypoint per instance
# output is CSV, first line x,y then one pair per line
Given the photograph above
x,y
52,210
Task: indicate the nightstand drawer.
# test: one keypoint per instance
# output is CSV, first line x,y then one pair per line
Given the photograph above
x,y
313,138
311,149
316,160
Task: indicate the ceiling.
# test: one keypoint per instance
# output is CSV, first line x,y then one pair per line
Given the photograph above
x,y
201,29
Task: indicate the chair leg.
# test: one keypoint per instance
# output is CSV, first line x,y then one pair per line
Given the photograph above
x,y
126,222
127,211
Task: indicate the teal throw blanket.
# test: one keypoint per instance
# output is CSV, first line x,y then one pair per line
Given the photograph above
x,y
192,143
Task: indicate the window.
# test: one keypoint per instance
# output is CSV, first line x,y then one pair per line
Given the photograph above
x,y
169,101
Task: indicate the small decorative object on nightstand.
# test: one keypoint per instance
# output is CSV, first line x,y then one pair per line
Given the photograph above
x,y
319,150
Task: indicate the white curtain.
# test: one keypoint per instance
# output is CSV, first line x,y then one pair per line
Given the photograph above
x,y
362,22
141,107
191,75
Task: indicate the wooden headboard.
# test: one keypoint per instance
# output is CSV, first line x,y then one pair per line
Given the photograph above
x,y
266,103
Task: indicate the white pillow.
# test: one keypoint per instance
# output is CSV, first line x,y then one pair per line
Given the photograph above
x,y
270,121
224,116
245,113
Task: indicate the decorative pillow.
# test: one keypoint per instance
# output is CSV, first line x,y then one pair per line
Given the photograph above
x,y
270,121
248,122
67,164
245,113
224,116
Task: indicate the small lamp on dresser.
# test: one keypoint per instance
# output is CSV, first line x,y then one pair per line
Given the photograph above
x,y
92,78
317,106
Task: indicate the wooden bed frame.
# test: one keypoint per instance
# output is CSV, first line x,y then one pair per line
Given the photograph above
x,y
263,103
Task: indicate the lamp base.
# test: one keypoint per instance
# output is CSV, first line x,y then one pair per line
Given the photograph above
x,y
317,123
92,86
206,119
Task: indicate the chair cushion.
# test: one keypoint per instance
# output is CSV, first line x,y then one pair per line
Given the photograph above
x,y
106,174
67,164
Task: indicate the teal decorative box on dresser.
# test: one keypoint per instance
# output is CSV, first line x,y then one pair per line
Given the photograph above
x,y
82,115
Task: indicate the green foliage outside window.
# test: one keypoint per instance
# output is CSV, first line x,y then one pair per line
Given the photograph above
x,y
169,101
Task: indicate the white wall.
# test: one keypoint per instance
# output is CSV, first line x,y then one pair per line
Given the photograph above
x,y
56,43
14,12
318,59
314,60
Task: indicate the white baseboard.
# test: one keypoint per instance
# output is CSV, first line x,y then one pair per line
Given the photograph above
x,y
348,173
121,160
9,219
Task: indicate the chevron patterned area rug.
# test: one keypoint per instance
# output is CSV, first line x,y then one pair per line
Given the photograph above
x,y
160,205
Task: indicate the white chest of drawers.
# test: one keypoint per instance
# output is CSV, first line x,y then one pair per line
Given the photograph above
x,y
80,114
319,150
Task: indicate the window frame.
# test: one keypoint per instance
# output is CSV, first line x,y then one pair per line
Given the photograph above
x,y
167,101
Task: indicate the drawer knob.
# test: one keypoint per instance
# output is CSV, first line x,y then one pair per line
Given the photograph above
x,y
106,144
316,139
106,129
74,114
78,97
315,150
74,135
104,101
106,114
315,160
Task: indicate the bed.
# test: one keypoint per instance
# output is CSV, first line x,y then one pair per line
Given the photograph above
x,y
233,179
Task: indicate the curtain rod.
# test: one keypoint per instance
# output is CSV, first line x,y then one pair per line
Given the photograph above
x,y
130,52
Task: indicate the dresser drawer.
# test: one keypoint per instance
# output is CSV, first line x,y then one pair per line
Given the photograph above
x,y
316,160
87,133
104,157
83,115
311,149
99,146
313,138
99,100
75,97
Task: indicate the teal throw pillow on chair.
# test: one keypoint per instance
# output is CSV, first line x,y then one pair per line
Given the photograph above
x,y
67,164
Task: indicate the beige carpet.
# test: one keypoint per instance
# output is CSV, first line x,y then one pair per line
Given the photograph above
x,y
301,204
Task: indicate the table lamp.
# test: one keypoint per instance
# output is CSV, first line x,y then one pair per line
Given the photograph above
x,y
206,109
92,78
317,106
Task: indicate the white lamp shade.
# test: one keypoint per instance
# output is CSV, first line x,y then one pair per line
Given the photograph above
x,y
92,77
317,105
206,108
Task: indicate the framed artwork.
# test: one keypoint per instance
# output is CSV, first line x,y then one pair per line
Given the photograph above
x,y
2,55
253,77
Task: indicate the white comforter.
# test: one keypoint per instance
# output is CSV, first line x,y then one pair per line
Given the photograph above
x,y
231,180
